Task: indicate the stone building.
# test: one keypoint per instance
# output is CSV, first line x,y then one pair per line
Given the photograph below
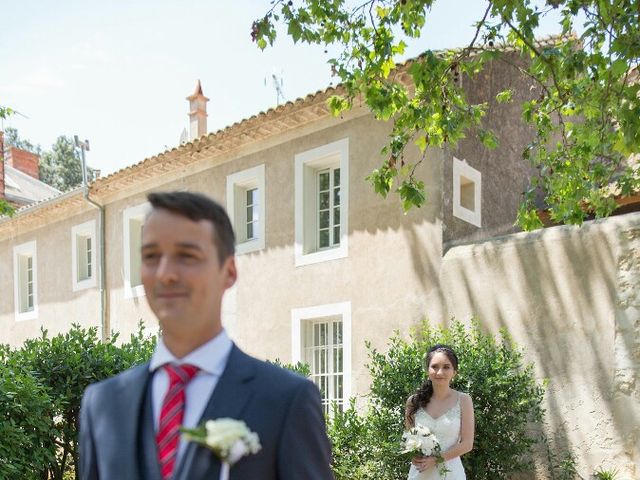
x,y
325,264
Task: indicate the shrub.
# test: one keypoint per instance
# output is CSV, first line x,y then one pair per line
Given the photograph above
x,y
300,368
63,366
25,412
505,393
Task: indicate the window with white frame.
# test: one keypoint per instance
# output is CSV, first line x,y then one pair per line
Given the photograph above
x,y
322,339
246,207
25,281
83,255
133,220
324,355
322,203
467,194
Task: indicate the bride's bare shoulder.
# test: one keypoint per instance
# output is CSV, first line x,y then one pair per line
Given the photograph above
x,y
465,398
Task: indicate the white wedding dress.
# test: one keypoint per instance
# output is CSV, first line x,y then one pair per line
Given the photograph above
x,y
446,428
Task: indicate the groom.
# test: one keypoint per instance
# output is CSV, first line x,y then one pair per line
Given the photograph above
x,y
129,424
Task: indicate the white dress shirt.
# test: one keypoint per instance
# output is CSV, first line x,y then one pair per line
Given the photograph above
x,y
211,358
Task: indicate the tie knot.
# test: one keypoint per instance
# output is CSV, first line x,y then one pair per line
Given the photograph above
x,y
180,374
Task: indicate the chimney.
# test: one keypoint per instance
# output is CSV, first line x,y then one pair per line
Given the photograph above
x,y
1,164
197,113
24,161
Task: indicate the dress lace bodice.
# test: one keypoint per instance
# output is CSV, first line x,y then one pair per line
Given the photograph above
x,y
446,428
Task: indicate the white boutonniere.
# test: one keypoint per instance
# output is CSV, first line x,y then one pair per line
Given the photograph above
x,y
228,439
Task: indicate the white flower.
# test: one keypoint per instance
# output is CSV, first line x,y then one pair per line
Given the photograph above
x,y
411,444
421,441
428,444
228,438
238,450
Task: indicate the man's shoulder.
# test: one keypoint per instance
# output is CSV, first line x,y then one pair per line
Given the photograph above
x,y
277,376
127,377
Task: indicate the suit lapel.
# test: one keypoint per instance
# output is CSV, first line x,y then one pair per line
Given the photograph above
x,y
147,447
233,389
229,398
127,411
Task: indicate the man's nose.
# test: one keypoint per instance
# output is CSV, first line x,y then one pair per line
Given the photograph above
x,y
167,271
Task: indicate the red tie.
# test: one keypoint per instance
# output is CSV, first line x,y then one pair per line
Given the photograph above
x,y
171,416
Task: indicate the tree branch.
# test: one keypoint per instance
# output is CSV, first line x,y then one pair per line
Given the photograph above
x,y
538,54
481,23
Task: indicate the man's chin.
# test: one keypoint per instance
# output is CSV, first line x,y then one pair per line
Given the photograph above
x,y
169,317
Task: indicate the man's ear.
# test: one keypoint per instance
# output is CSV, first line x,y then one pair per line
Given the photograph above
x,y
231,273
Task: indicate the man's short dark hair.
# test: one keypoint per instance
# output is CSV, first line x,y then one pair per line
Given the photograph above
x,y
196,207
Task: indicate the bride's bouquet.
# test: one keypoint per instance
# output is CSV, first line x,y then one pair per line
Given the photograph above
x,y
420,441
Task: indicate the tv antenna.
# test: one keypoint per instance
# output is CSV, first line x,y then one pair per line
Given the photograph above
x,y
277,82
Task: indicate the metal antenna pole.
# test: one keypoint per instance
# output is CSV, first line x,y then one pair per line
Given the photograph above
x,y
277,85
84,147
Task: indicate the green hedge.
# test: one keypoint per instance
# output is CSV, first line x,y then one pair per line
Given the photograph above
x,y
42,385
25,426
506,398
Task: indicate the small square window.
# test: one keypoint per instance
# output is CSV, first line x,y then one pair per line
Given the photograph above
x,y
467,184
467,193
246,207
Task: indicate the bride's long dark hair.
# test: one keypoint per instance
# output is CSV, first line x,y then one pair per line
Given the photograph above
x,y
421,398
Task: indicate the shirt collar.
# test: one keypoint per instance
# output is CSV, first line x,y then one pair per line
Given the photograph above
x,y
210,358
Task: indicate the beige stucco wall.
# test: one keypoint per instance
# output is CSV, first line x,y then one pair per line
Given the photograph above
x,y
58,305
571,297
389,276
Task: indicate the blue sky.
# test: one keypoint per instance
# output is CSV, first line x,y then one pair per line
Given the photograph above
x,y
117,72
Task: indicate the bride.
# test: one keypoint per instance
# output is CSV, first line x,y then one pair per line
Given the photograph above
x,y
446,412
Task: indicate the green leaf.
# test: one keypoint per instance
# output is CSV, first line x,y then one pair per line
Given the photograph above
x,y
488,138
504,96
382,180
5,112
386,67
382,12
295,30
5,207
412,194
421,142
619,67
337,104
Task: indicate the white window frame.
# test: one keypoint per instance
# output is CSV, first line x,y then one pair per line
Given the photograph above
x,y
461,171
307,164
308,314
237,185
27,249
84,230
137,213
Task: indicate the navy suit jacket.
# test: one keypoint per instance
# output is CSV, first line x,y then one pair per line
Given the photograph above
x,y
282,408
